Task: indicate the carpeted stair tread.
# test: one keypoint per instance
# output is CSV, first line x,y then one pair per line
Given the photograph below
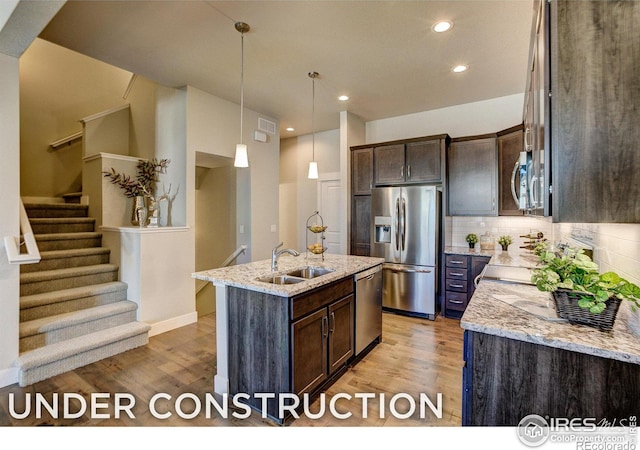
x,y
72,272
72,253
51,323
64,295
62,241
81,344
44,210
61,259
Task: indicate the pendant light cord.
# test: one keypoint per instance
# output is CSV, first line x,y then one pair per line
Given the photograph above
x,y
241,84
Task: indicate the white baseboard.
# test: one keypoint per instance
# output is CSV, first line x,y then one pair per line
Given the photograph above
x,y
8,376
173,323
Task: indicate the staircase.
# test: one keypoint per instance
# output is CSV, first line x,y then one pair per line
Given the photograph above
x,y
73,309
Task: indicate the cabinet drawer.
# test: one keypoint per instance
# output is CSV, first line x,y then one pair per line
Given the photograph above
x,y
458,261
318,298
456,285
456,301
456,274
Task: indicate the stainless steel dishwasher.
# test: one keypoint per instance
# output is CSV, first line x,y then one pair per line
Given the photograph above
x,y
368,307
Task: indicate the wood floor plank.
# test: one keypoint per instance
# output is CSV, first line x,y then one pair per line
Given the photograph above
x,y
415,356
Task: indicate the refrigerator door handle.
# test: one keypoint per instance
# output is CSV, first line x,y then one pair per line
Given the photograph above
x,y
404,222
397,224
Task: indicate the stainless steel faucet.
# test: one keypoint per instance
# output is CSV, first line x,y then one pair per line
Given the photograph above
x,y
275,254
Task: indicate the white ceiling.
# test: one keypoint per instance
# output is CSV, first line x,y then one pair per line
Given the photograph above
x,y
383,54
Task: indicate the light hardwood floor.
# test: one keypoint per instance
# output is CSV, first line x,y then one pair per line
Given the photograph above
x,y
415,356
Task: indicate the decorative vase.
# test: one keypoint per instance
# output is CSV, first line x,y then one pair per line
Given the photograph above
x,y
505,247
139,202
472,244
142,216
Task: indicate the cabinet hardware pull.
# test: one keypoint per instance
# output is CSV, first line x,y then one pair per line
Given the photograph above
x,y
333,322
457,302
402,172
324,326
456,285
409,171
456,274
456,262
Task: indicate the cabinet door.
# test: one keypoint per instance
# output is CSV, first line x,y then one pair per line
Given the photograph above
x,y
309,353
423,162
388,164
341,338
473,180
509,148
361,171
360,225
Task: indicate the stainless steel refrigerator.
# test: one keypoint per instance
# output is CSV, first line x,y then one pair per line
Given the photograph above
x,y
405,232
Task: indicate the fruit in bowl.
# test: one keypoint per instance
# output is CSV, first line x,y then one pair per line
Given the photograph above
x,y
316,248
317,228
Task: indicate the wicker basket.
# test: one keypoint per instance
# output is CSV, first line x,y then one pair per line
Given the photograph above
x,y
567,307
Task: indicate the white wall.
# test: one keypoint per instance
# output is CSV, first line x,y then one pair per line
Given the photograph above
x,y
9,218
487,116
298,194
214,127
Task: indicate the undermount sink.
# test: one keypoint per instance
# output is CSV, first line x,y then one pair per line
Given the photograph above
x,y
310,272
280,279
296,276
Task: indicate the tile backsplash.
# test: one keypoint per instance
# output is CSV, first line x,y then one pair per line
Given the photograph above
x,y
616,247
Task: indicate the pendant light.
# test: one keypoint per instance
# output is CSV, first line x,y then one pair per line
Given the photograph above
x,y
241,159
313,165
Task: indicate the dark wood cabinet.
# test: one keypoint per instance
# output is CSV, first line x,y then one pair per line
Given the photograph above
x,y
472,176
510,144
361,225
505,380
595,111
361,171
388,165
419,160
289,345
460,273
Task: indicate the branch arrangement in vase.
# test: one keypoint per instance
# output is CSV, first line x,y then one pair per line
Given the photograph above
x,y
148,172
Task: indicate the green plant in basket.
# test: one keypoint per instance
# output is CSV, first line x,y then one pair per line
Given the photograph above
x,y
471,238
505,240
575,271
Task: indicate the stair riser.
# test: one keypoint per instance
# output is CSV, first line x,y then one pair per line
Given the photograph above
x,y
51,309
42,339
30,376
50,213
69,244
46,228
56,284
65,263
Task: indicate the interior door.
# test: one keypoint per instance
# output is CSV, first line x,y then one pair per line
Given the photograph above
x,y
332,214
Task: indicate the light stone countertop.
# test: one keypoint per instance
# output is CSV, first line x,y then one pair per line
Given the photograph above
x,y
245,275
489,311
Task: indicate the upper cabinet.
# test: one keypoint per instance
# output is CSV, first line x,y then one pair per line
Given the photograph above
x,y
582,111
409,162
473,176
361,171
510,144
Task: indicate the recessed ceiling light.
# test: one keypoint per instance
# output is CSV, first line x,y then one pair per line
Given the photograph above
x,y
291,129
460,68
343,98
442,26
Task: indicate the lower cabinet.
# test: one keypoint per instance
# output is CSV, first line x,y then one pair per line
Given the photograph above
x,y
460,273
322,343
294,345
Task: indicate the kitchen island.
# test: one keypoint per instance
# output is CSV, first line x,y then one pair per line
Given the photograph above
x,y
285,331
521,359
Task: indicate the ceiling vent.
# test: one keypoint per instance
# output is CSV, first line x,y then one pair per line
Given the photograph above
x,y
266,125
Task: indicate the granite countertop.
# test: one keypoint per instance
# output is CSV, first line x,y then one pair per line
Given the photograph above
x,y
245,275
517,311
477,251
